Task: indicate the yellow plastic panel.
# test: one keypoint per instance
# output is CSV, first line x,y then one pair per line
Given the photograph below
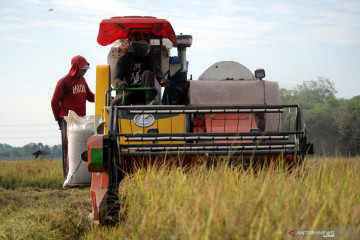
x,y
173,124
106,112
102,77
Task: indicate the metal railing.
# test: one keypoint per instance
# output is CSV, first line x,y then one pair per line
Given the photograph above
x,y
192,143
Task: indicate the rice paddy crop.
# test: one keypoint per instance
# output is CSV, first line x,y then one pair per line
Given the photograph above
x,y
221,202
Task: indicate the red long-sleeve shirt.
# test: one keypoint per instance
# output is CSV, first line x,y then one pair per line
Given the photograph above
x,y
71,92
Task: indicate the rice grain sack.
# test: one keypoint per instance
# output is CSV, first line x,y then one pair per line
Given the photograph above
x,y
79,129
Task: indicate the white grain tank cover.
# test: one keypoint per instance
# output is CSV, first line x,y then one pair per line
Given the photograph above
x,y
227,70
237,93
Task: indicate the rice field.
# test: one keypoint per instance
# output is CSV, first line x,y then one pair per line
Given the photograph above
x,y
220,202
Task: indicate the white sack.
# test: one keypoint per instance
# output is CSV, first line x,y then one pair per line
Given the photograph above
x,y
79,129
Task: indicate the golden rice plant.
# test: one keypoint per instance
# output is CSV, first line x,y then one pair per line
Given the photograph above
x,y
231,203
33,173
222,202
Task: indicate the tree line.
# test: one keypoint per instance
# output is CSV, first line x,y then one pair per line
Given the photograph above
x,y
8,152
333,124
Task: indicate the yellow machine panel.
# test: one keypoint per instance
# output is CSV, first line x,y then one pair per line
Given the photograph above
x,y
102,77
174,123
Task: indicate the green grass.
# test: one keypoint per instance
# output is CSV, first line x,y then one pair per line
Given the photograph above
x,y
36,213
201,203
33,204
35,173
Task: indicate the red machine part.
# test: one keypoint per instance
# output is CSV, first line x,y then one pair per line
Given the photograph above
x,y
225,122
95,151
230,122
120,27
99,189
100,176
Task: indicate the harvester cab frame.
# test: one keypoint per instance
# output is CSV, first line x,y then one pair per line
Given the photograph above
x,y
229,112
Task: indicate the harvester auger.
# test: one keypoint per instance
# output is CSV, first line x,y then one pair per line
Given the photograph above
x,y
228,111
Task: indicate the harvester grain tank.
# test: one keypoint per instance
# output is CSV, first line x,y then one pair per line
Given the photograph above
x,y
228,111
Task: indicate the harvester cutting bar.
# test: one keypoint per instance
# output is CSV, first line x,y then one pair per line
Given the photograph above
x,y
205,109
171,138
179,111
207,153
207,136
192,146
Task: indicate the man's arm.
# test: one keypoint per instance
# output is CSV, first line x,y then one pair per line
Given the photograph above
x,y
90,96
159,74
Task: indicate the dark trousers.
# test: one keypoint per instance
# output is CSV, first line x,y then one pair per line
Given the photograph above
x,y
138,97
64,143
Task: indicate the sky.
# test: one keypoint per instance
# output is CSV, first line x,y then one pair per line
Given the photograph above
x,y
293,41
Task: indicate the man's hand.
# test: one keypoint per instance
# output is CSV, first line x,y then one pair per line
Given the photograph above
x,y
122,85
165,82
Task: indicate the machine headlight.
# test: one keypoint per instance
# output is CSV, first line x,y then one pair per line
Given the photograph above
x,y
259,73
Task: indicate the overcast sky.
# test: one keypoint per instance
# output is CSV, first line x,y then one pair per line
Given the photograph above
x,y
292,40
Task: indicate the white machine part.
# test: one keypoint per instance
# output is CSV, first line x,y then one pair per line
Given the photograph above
x,y
230,83
227,70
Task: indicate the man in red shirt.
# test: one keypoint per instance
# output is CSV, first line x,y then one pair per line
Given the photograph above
x,y
71,93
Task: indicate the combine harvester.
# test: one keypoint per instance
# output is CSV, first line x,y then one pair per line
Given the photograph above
x,y
228,111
